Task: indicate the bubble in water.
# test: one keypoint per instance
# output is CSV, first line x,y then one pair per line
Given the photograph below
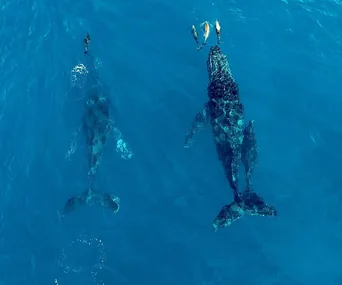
x,y
81,262
79,75
78,79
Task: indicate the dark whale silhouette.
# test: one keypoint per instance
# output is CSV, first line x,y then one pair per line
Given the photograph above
x,y
235,142
97,128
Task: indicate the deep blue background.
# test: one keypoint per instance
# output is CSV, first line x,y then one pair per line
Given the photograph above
x,y
286,57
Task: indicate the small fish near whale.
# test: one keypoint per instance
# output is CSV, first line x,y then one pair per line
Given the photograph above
x,y
235,141
97,128
206,33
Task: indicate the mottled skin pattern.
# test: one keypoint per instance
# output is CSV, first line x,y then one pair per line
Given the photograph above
x,y
235,142
226,115
97,128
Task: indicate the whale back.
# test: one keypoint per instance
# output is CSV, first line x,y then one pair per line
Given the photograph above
x,y
221,82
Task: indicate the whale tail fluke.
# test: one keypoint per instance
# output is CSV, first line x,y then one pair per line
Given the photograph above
x,y
254,205
228,214
249,203
72,203
91,197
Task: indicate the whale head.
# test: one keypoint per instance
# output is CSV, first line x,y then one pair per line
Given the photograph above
x,y
217,63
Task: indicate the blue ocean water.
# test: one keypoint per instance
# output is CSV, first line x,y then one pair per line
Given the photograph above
x,y
286,58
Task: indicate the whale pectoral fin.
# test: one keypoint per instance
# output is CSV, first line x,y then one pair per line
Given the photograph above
x,y
201,119
73,144
249,153
121,146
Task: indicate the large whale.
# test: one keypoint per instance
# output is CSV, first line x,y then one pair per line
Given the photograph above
x,y
97,128
235,142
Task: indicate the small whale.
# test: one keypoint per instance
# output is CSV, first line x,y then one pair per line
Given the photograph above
x,y
97,128
235,142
